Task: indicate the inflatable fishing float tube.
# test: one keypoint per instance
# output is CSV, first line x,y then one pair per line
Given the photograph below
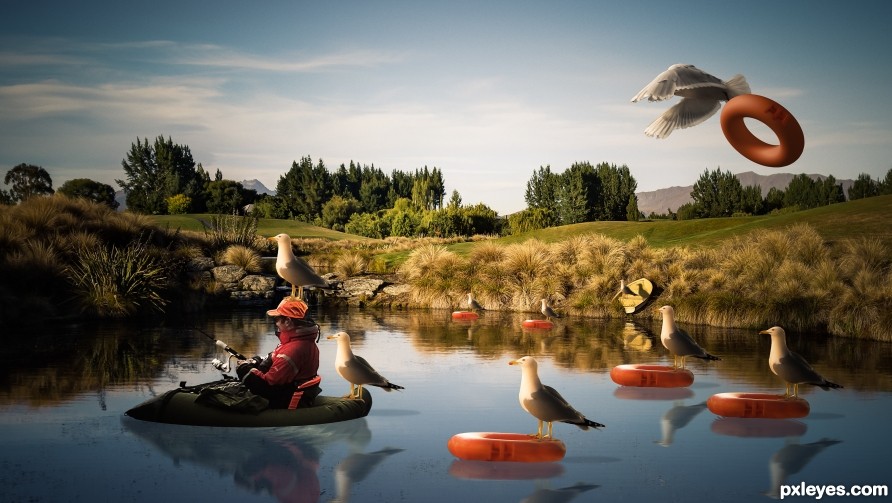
x,y
773,115
183,406
516,447
464,315
538,324
651,376
757,405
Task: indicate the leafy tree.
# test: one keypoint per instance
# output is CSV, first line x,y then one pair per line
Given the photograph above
x,y
304,189
687,211
633,214
368,225
158,171
616,184
6,198
751,201
716,194
91,190
27,180
455,200
864,186
774,200
178,204
337,211
530,219
577,189
227,197
885,186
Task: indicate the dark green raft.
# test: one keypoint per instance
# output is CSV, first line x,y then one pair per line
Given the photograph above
x,y
179,406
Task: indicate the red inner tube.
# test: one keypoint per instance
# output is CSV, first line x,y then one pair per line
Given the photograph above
x,y
464,315
650,376
759,405
776,117
537,324
518,447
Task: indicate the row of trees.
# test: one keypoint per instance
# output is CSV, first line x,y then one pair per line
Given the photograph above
x,y
28,180
720,194
582,193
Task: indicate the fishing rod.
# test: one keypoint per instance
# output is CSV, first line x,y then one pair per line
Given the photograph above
x,y
216,363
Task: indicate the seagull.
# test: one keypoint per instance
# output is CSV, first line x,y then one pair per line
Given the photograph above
x,y
544,402
678,342
548,311
292,269
623,290
700,92
791,367
356,370
473,304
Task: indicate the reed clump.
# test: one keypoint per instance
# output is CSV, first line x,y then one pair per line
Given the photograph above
x,y
245,257
789,277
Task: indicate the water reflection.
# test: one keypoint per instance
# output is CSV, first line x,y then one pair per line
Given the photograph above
x,y
504,470
792,458
758,427
95,357
562,495
281,462
677,418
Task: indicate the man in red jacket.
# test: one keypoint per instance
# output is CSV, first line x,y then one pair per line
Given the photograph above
x,y
288,377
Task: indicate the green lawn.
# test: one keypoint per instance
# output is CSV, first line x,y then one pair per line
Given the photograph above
x,y
864,217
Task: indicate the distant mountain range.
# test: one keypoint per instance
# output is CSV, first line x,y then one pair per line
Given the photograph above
x,y
663,200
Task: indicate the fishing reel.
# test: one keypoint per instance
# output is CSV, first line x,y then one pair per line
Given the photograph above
x,y
221,365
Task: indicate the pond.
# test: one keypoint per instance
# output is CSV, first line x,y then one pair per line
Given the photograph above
x,y
65,436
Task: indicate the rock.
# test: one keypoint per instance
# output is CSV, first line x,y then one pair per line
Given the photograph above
x,y
228,274
257,283
357,287
198,264
397,290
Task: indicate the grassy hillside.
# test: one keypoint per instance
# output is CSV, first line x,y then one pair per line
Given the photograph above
x,y
265,227
865,217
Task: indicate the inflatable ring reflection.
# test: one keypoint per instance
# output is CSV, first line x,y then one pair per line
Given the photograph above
x,y
776,117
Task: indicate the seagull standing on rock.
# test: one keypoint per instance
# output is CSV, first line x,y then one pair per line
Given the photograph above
x,y
355,370
678,342
292,269
544,402
701,94
791,367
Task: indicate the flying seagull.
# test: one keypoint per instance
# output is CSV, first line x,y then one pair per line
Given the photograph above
x,y
544,402
701,96
293,269
356,370
791,367
678,342
548,311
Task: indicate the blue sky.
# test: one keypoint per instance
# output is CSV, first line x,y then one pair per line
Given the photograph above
x,y
486,91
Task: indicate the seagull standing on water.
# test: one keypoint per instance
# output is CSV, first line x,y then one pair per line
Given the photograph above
x,y
292,269
678,342
473,305
544,402
548,311
701,96
355,370
791,367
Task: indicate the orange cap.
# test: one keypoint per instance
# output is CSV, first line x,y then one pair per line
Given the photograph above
x,y
292,308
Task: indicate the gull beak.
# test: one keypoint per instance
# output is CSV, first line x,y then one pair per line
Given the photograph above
x,y
766,332
514,362
330,337
272,238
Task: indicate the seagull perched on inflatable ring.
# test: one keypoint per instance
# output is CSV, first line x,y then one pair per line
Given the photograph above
x,y
791,367
544,402
701,96
678,342
355,370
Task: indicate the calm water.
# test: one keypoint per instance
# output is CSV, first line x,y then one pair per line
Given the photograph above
x,y
65,437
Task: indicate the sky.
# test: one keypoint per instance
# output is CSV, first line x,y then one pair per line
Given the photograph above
x,y
488,92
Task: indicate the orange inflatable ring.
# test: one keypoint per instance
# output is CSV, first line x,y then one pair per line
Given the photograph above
x,y
776,117
758,405
651,376
537,324
517,447
464,315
